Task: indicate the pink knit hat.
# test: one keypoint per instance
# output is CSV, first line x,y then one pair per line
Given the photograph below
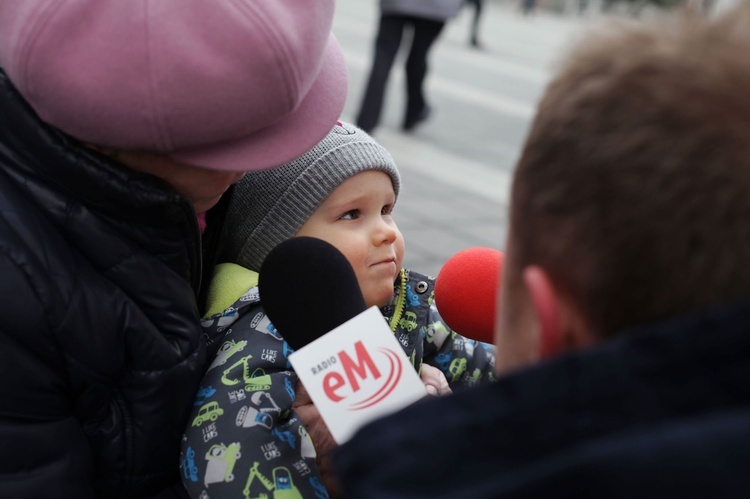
x,y
228,85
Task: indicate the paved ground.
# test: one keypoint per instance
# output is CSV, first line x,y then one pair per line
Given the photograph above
x,y
457,167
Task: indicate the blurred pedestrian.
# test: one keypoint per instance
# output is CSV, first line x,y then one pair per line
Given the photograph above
x,y
474,33
528,7
425,19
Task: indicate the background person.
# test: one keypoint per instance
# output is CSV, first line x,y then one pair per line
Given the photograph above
x,y
425,19
120,122
626,274
476,16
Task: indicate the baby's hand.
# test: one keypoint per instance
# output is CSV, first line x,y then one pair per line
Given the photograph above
x,y
434,381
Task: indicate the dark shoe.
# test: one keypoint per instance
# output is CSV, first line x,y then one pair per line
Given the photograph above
x,y
410,123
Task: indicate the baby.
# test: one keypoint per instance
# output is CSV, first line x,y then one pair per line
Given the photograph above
x,y
244,436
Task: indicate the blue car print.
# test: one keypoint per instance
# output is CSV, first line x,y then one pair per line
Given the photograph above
x,y
189,469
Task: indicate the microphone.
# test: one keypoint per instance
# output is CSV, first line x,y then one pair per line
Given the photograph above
x,y
308,288
346,356
466,292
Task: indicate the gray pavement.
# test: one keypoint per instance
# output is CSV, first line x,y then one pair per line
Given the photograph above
x,y
457,166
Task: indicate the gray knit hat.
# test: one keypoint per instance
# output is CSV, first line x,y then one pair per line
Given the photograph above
x,y
270,206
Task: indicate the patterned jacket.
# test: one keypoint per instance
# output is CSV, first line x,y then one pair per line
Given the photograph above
x,y
244,438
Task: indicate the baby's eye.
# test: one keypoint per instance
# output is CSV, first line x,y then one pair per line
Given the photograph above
x,y
350,215
387,209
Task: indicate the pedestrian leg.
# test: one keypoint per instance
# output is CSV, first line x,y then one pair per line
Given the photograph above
x,y
425,33
474,40
387,43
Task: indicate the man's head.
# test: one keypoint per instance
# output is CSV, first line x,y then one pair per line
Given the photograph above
x,y
341,191
631,199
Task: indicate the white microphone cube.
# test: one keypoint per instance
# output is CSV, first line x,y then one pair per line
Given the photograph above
x,y
356,373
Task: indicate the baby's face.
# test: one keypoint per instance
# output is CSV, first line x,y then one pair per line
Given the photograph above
x,y
356,219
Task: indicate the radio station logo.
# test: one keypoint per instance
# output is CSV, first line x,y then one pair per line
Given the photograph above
x,y
360,379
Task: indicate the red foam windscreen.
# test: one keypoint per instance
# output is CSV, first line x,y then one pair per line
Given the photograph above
x,y
466,292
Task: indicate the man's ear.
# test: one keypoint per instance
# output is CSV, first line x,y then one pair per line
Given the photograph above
x,y
547,307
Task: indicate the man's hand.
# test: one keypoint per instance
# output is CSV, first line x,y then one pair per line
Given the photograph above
x,y
434,381
321,437
435,384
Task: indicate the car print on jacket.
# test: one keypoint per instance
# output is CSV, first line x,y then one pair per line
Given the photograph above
x,y
226,350
208,412
256,389
220,463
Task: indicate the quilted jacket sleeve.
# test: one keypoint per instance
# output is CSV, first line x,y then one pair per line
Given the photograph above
x,y
45,452
243,439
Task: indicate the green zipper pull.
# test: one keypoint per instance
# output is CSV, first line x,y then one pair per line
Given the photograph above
x,y
398,307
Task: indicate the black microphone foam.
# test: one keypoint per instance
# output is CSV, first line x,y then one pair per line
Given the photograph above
x,y
308,288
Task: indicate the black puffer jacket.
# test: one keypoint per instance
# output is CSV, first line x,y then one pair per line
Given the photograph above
x,y
100,349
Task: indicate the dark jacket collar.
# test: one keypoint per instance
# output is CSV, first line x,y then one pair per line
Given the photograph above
x,y
642,384
693,363
65,179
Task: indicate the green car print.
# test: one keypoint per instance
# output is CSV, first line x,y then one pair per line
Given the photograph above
x,y
210,411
